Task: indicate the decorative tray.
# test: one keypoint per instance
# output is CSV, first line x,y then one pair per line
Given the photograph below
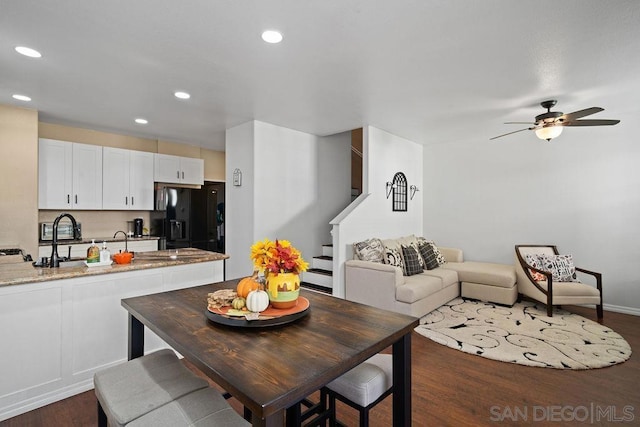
x,y
98,264
269,317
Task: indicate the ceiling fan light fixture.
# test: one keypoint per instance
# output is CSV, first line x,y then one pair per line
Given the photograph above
x,y
549,132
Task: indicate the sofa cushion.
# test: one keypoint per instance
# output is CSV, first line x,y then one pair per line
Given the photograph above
x,y
369,250
429,256
448,276
417,287
487,273
410,260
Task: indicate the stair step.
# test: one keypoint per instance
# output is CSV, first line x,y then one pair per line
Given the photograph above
x,y
323,262
317,276
318,288
327,250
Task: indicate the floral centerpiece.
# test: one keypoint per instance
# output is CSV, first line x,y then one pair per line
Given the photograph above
x,y
281,264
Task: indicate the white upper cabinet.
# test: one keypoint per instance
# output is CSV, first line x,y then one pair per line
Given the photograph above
x,y
69,175
178,170
127,179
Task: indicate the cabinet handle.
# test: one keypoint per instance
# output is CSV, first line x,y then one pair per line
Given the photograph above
x,y
68,198
178,174
182,174
126,200
132,202
76,199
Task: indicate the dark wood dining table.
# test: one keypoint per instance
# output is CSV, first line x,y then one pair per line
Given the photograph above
x,y
270,369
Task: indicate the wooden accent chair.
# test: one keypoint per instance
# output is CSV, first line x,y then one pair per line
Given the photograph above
x,y
555,293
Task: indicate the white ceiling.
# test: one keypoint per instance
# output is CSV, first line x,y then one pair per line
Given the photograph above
x,y
430,71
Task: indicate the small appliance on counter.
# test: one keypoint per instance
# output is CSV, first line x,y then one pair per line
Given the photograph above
x,y
65,231
138,225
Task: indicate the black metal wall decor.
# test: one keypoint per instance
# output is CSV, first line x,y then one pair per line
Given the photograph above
x,y
398,190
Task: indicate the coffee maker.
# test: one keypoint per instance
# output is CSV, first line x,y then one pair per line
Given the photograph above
x,y
137,227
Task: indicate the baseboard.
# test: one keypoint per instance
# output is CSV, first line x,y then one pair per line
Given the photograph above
x,y
622,309
45,399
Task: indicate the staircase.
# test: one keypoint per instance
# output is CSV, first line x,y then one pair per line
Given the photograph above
x,y
320,276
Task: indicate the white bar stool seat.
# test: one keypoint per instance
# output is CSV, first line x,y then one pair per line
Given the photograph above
x,y
363,387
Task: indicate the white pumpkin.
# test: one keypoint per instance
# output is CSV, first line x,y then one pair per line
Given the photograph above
x,y
257,301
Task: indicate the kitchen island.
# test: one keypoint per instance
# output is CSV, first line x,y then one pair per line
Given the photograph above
x,y
58,326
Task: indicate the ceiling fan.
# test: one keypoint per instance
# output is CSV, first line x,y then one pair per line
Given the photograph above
x,y
549,125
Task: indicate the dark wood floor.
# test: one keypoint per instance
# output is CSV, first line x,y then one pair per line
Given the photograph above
x,y
451,388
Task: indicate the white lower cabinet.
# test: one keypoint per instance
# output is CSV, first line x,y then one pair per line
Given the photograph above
x,y
55,335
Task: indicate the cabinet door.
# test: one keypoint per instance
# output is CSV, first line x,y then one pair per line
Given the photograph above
x,y
55,162
192,171
166,168
87,176
115,178
141,167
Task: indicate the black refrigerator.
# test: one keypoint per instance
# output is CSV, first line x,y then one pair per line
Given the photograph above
x,y
186,217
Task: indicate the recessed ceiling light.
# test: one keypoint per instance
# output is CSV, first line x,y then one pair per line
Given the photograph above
x,y
141,121
182,95
271,36
27,51
21,98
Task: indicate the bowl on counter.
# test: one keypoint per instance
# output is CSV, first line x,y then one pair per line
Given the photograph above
x,y
122,257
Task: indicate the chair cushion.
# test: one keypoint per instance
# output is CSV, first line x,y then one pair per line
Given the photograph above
x,y
365,383
131,389
205,407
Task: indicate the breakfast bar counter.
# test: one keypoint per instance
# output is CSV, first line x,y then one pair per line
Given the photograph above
x,y
19,273
59,326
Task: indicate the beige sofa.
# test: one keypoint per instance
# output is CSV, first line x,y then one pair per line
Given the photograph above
x,y
384,286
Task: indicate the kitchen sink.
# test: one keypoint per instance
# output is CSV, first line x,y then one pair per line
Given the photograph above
x,y
63,264
72,263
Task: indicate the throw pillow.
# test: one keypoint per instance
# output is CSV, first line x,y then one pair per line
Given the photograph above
x,y
534,261
439,257
369,250
560,266
429,256
411,262
393,257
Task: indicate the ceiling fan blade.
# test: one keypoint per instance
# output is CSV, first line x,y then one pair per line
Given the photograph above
x,y
580,113
515,131
591,123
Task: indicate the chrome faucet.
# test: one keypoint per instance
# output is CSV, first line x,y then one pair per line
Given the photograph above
x,y
126,239
55,258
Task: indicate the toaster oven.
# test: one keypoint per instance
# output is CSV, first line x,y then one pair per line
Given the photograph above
x,y
65,231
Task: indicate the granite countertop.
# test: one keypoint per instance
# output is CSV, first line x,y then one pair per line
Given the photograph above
x,y
118,238
24,272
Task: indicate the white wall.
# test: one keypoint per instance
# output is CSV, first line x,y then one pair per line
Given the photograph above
x,y
285,186
293,184
384,154
239,201
579,192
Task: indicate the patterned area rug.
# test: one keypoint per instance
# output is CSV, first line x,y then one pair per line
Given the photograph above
x,y
524,334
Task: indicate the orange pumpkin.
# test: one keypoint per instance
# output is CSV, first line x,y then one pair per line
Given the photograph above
x,y
247,285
